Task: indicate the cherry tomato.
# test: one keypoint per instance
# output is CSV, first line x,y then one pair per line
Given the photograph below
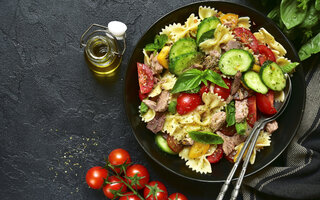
x,y
265,103
204,89
216,155
223,92
130,196
142,96
138,176
95,177
246,37
265,54
177,196
187,102
114,185
173,144
229,131
155,190
252,115
230,19
145,78
119,157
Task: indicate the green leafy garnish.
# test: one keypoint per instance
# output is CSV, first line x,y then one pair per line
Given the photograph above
x,y
290,14
159,42
143,108
241,127
205,137
191,79
309,48
231,111
193,91
289,67
172,107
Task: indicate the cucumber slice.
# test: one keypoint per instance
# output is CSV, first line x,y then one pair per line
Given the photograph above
x,y
205,137
253,81
182,46
235,60
272,76
184,61
208,24
206,35
163,145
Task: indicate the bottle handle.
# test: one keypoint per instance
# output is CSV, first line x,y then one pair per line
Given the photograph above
x,y
106,30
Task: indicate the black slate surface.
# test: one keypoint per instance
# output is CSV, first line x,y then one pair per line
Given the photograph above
x,y
56,119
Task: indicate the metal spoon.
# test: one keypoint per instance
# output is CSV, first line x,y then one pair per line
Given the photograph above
x,y
259,125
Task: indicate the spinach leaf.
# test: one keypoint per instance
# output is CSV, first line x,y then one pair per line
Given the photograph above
x,y
290,14
311,19
309,48
172,107
231,111
159,42
143,108
317,5
187,81
215,78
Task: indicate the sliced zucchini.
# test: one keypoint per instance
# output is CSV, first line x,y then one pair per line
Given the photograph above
x,y
182,46
208,24
272,76
235,60
253,81
184,61
206,35
163,145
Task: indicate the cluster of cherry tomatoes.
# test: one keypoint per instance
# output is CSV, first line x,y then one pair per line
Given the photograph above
x,y
128,181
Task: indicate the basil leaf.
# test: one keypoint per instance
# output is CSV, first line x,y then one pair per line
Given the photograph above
x,y
274,14
195,90
241,128
309,48
231,111
172,107
187,81
303,4
317,5
290,14
151,47
143,108
205,137
215,78
311,19
160,40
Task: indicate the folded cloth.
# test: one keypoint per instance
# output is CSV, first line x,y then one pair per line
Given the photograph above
x,y
299,177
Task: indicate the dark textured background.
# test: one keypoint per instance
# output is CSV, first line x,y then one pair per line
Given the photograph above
x,y
56,119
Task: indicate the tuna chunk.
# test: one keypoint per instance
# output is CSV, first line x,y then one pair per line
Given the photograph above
x,y
157,123
236,83
271,126
212,59
151,104
155,65
162,103
218,120
242,93
242,110
187,141
232,44
230,142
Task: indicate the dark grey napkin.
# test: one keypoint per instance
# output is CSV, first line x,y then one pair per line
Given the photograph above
x,y
299,176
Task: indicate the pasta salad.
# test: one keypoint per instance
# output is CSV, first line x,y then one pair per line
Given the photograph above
x,y
204,84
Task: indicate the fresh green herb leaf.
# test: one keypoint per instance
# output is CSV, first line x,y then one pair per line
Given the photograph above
x,y
317,5
231,111
195,90
215,78
303,4
289,67
159,42
187,81
311,19
309,48
274,14
290,14
241,127
143,108
205,137
172,107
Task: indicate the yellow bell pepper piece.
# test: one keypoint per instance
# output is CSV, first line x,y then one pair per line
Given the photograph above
x,y
163,57
256,68
198,149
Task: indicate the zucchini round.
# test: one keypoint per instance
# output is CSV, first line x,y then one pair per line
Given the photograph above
x,y
235,60
253,81
206,25
272,76
182,46
184,61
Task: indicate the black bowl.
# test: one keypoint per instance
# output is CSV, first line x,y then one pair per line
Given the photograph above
x,y
288,122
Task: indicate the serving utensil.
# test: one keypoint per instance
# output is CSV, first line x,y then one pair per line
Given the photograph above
x,y
252,139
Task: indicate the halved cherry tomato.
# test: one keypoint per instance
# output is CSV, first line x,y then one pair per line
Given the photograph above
x,y
204,89
216,156
265,54
252,115
246,37
142,96
145,78
223,92
230,19
229,131
265,103
155,190
187,102
114,185
177,196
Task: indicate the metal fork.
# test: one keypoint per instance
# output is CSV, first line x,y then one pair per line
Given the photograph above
x,y
252,139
